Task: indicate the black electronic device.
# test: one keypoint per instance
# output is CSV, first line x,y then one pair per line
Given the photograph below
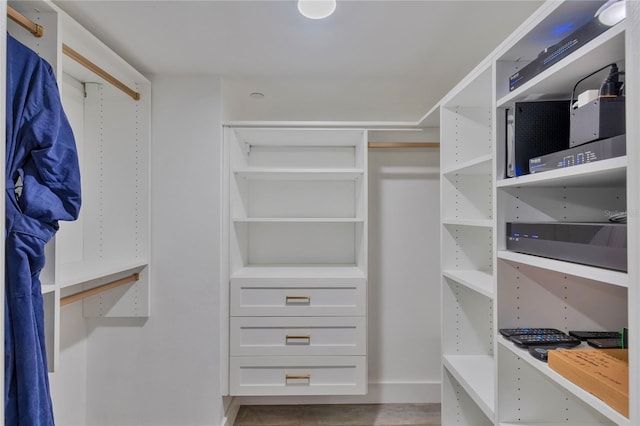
x,y
598,114
601,118
602,149
586,335
534,129
545,339
508,332
542,352
602,245
606,343
558,51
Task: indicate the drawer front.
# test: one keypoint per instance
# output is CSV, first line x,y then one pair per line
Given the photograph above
x,y
298,336
344,297
331,375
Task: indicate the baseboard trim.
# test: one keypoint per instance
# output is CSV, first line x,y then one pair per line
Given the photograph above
x,y
231,408
378,393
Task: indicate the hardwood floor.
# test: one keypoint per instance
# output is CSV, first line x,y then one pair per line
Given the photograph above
x,y
339,415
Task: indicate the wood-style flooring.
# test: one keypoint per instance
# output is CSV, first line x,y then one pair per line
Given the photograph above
x,y
339,415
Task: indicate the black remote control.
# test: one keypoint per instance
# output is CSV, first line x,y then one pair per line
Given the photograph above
x,y
605,343
586,335
542,352
508,332
545,339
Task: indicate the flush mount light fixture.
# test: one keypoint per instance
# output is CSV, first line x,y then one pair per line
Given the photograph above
x,y
256,95
612,12
316,9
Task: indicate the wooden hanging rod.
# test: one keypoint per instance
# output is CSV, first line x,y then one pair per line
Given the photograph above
x,y
99,71
97,290
35,29
404,144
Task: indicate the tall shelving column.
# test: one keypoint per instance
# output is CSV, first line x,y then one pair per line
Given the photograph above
x,y
467,233
533,291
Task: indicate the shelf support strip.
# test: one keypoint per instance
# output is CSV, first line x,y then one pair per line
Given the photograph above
x,y
97,290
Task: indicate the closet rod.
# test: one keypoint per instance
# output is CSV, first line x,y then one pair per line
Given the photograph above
x,y
404,144
97,290
97,70
35,29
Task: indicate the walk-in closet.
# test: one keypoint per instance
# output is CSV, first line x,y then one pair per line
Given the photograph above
x,y
223,212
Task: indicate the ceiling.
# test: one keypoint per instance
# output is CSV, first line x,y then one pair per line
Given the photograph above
x,y
384,60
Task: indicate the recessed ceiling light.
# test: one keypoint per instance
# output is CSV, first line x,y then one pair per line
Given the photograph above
x,y
256,95
316,9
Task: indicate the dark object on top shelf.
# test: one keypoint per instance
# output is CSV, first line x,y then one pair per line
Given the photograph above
x,y
558,51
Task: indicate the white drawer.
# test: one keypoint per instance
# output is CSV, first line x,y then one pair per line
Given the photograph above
x,y
298,297
331,375
298,336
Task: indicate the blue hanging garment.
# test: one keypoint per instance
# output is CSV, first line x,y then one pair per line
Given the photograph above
x,y
42,186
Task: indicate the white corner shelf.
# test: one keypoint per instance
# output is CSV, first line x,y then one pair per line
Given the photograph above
x,y
475,373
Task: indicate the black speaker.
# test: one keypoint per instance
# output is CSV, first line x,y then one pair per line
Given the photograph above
x,y
535,129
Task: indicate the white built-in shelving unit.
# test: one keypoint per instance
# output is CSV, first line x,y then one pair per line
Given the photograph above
x,y
467,235
110,240
486,379
297,240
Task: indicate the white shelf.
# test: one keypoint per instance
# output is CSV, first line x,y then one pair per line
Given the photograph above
x,y
476,166
597,404
298,220
481,223
583,271
300,271
560,78
475,373
81,272
611,172
480,281
299,174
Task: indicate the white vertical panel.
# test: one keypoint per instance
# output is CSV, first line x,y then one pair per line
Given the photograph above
x,y
632,92
404,286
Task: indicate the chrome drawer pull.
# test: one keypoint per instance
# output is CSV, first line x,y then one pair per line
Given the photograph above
x,y
298,299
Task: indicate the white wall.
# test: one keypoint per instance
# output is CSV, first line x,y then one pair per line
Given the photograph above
x,y
164,370
404,286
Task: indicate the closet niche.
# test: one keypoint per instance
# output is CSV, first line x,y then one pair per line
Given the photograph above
x,y
297,240
101,259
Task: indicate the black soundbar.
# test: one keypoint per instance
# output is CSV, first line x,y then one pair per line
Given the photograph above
x,y
602,245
